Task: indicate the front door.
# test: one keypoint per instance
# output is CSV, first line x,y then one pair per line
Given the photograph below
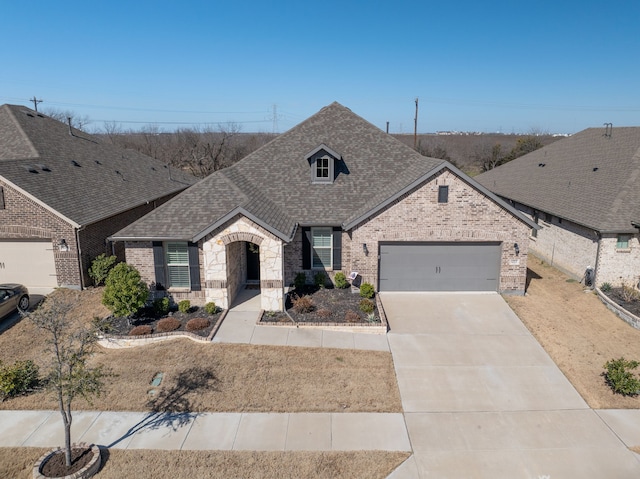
x,y
253,261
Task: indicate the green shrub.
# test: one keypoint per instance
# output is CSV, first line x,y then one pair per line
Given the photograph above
x,y
161,306
19,378
300,280
320,279
606,287
184,306
100,268
367,291
168,324
620,378
340,280
367,306
211,308
124,293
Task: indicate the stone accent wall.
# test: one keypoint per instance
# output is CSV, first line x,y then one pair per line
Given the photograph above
x,y
216,247
563,244
468,216
616,266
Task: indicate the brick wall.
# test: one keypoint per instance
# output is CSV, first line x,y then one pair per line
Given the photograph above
x,y
618,265
23,218
468,216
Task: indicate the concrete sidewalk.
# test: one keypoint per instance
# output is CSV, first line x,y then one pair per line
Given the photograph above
x,y
210,431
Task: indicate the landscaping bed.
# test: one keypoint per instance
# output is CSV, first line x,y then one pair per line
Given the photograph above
x,y
148,321
625,297
326,306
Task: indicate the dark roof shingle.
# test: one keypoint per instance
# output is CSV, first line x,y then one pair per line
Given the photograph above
x,y
77,174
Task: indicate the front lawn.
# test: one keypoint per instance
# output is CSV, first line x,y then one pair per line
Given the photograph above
x,y
578,331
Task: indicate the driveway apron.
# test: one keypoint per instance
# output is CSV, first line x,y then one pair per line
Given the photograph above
x,y
482,399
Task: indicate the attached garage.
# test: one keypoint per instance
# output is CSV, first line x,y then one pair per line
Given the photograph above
x,y
28,262
440,266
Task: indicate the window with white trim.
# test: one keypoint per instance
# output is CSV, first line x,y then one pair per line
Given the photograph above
x,y
321,248
177,255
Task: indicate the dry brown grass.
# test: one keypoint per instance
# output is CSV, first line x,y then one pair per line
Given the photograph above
x,y
578,331
17,463
222,377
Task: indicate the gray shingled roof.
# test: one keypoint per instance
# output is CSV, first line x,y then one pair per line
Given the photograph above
x,y
273,184
37,155
570,187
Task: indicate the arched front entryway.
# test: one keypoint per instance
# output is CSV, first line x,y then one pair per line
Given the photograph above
x,y
243,263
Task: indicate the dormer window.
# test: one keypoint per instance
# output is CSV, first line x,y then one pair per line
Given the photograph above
x,y
322,161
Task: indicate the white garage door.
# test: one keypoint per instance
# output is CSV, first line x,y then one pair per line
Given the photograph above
x,y
440,266
30,263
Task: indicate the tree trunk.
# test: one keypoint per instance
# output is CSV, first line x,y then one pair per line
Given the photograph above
x,y
65,410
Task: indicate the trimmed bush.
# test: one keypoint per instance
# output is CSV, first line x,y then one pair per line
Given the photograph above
x,y
367,291
320,279
324,313
302,304
19,378
300,280
184,306
340,280
620,378
351,317
168,324
211,308
100,268
197,324
141,330
125,292
161,306
367,306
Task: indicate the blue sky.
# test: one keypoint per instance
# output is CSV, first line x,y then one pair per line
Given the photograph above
x,y
510,66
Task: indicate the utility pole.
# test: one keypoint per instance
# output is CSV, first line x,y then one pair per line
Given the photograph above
x,y
387,128
275,118
415,127
35,103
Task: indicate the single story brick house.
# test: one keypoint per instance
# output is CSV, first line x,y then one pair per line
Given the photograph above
x,y
584,191
62,193
334,193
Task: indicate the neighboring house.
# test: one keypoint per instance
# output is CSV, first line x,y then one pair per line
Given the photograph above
x,y
585,193
62,193
334,193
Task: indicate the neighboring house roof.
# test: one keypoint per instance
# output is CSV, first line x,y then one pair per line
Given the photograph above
x,y
591,178
77,175
273,184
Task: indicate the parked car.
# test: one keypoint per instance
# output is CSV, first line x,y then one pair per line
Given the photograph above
x,y
12,297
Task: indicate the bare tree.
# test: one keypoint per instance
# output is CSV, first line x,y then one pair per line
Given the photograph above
x,y
69,345
77,121
490,157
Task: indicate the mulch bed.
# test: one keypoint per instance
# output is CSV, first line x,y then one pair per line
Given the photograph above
x,y
616,295
120,326
330,305
56,466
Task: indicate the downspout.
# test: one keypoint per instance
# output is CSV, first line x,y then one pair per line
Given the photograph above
x,y
595,271
79,250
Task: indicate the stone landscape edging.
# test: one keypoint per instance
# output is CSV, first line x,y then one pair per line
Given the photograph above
x,y
622,313
112,341
87,471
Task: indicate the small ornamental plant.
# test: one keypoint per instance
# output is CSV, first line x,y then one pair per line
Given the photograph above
x,y
619,376
100,268
340,280
211,308
19,378
366,305
197,324
367,291
161,306
320,279
303,304
351,317
300,280
168,324
184,306
141,330
125,293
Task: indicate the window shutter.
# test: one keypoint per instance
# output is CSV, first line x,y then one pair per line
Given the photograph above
x,y
158,264
306,248
337,248
194,266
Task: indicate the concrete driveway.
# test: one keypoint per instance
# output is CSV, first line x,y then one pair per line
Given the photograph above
x,y
482,399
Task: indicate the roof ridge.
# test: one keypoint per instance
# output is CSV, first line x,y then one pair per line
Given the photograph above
x,y
23,134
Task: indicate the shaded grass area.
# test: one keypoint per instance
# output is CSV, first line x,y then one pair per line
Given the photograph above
x,y
578,331
17,463
220,377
